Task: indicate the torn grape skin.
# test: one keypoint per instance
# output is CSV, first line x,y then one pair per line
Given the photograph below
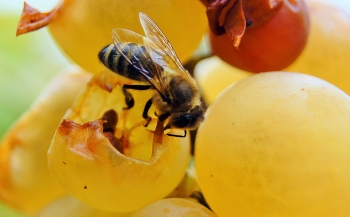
x,y
115,180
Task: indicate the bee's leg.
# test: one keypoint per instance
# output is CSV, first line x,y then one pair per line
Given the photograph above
x,y
129,99
136,87
174,135
145,112
162,117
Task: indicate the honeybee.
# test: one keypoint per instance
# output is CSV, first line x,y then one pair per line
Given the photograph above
x,y
152,60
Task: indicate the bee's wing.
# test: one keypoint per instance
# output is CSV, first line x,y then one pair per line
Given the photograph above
x,y
168,58
138,58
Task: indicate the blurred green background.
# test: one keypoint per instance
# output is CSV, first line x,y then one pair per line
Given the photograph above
x,y
28,62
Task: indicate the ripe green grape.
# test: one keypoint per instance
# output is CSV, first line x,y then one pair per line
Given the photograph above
x,y
174,207
214,75
68,206
276,144
327,52
26,182
91,22
90,168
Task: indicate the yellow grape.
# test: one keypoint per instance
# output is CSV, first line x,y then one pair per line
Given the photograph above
x,y
84,161
188,184
174,207
83,27
25,180
214,75
68,206
327,52
276,144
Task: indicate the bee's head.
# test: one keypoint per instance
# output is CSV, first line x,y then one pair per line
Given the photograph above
x,y
189,120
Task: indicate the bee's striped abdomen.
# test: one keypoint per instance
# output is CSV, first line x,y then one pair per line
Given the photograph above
x,y
116,62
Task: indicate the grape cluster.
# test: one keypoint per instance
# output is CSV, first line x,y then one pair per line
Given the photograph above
x,y
272,143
